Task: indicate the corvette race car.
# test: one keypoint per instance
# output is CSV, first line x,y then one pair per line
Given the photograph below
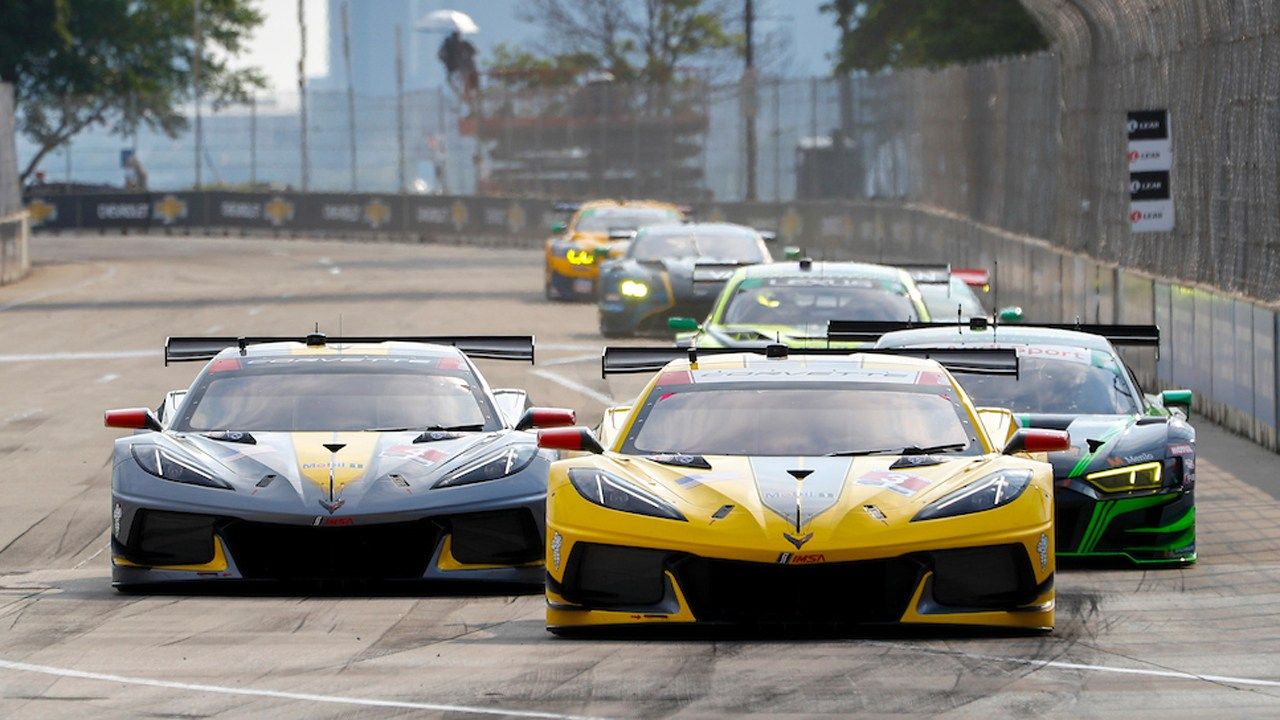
x,y
596,231
791,302
1126,488
816,488
307,459
673,270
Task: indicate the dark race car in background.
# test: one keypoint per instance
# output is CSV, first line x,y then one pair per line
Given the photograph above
x,y
671,270
371,459
1126,488
597,231
952,292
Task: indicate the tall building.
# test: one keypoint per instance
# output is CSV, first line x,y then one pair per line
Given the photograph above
x,y
373,46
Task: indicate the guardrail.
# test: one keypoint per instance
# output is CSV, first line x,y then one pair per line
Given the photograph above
x,y
1222,346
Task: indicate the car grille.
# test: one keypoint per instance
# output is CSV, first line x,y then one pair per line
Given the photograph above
x,y
508,537
393,551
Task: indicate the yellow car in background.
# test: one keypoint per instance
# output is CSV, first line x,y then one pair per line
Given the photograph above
x,y
598,230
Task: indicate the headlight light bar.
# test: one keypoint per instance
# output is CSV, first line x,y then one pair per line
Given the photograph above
x,y
986,493
508,461
610,491
166,465
1127,479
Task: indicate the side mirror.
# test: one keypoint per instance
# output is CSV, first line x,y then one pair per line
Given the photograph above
x,y
559,228
574,439
1037,440
683,324
768,236
600,252
998,422
131,419
791,252
1010,314
1177,398
621,234
545,417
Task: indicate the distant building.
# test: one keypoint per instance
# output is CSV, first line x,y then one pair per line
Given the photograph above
x,y
373,46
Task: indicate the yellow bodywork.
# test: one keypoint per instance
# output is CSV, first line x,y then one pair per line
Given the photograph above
x,y
865,522
580,261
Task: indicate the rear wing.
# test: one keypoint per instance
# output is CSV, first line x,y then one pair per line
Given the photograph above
x,y
488,347
980,361
928,274
870,331
713,272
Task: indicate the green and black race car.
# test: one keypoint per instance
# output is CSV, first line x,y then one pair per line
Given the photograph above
x,y
1126,488
791,302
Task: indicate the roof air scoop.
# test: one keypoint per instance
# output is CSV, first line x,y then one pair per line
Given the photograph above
x,y
334,447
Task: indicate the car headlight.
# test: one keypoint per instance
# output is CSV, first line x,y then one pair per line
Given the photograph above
x,y
634,289
169,466
1127,479
985,493
609,490
578,256
509,461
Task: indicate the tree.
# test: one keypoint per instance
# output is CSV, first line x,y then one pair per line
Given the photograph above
x,y
648,41
118,63
876,34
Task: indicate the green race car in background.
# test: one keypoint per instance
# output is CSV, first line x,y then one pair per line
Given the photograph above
x,y
1126,488
791,302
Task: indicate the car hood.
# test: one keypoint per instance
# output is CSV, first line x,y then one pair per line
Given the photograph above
x,y
1103,442
335,469
831,489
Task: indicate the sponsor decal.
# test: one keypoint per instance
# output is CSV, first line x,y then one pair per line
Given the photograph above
x,y
346,212
116,514
39,211
425,456
240,210
801,558
433,215
703,478
171,209
123,211
516,218
1182,449
1042,549
899,482
459,215
278,210
799,489
556,543
322,521
377,213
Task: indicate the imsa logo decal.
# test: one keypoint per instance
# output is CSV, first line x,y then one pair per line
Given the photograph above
x,y
787,558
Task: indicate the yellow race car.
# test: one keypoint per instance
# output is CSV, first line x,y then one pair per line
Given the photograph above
x,y
596,231
820,488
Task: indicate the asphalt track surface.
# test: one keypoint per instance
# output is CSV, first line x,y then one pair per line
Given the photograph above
x,y
84,333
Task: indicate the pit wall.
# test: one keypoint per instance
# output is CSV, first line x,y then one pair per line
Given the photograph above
x,y
14,258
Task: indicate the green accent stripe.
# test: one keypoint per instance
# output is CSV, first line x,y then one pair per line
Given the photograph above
x,y
1107,510
1187,520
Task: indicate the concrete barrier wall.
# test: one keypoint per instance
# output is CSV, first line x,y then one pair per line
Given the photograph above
x,y
14,258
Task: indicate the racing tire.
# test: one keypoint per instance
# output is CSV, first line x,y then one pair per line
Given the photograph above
x,y
613,330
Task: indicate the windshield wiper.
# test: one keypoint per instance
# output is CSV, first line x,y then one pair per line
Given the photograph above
x,y
908,450
474,427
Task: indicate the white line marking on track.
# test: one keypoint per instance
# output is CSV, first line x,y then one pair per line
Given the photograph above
x,y
576,387
1062,665
110,273
85,561
109,377
280,694
104,355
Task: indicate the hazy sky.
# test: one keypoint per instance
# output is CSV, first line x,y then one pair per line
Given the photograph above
x,y
810,35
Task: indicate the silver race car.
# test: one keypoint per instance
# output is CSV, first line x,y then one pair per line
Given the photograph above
x,y
371,459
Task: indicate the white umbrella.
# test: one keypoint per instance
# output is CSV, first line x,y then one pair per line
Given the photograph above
x,y
448,21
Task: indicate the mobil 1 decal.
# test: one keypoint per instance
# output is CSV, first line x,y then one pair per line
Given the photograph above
x,y
799,488
1150,157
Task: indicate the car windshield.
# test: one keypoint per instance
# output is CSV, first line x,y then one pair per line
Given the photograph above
x,y
735,246
764,419
349,398
942,299
604,220
1078,382
804,301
